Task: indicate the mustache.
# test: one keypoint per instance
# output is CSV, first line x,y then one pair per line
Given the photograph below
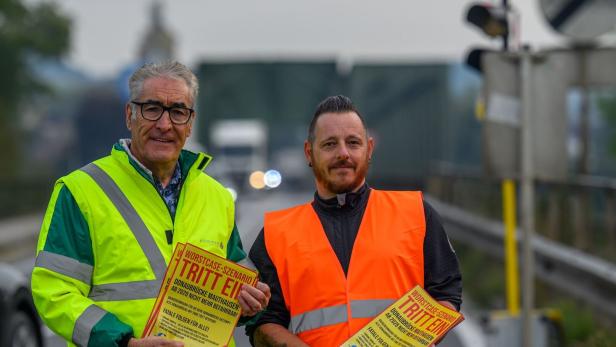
x,y
342,164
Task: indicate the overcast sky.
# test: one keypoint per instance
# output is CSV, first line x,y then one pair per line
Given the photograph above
x,y
107,33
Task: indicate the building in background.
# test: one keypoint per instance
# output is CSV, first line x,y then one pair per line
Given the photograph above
x,y
421,115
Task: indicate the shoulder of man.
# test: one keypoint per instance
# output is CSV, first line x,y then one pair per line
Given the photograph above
x,y
289,210
75,174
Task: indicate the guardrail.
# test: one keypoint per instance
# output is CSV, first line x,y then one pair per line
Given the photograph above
x,y
578,212
589,278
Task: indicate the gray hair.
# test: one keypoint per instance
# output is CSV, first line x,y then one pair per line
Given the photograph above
x,y
168,69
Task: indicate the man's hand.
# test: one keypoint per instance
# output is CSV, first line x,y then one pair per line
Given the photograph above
x,y
154,341
254,299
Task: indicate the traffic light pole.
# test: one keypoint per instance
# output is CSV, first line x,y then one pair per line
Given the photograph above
x,y
506,36
527,196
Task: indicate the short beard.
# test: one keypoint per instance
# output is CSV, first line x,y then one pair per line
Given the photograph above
x,y
361,170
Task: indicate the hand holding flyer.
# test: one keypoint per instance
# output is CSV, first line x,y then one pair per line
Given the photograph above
x,y
197,303
415,320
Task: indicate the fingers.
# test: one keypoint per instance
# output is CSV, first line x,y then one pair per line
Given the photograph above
x,y
154,341
265,289
254,299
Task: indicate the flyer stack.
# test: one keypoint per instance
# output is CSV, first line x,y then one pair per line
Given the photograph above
x,y
197,302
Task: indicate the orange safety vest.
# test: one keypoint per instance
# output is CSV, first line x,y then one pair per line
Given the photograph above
x,y
327,307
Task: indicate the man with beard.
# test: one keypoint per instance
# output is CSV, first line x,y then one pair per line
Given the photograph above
x,y
335,263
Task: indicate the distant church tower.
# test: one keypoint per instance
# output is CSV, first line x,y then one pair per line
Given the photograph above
x,y
158,43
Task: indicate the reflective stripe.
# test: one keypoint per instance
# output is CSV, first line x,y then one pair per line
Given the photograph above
x,y
84,324
338,314
132,219
318,318
369,308
125,291
65,266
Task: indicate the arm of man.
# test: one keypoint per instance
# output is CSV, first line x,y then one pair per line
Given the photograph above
x,y
442,278
252,299
271,328
61,278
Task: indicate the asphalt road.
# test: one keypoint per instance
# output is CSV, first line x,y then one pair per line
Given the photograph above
x,y
250,209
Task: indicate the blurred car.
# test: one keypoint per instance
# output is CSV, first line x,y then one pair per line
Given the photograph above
x,y
19,322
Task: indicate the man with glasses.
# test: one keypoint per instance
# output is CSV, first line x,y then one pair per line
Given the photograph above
x,y
111,226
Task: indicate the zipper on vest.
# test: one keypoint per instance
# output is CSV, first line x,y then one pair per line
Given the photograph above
x,y
169,234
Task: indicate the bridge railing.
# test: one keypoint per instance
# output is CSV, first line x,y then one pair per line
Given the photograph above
x,y
580,212
583,276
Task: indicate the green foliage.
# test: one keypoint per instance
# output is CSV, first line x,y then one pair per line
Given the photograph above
x,y
25,32
601,338
577,322
484,285
580,326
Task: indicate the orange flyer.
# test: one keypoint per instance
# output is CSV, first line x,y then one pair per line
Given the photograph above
x,y
415,320
197,303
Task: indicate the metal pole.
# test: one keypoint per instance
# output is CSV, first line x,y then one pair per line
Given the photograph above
x,y
527,196
511,254
506,36
584,163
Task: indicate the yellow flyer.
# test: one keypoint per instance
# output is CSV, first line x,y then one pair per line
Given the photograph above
x,y
415,320
175,259
199,304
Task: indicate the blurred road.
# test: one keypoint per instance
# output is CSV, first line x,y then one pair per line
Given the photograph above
x,y
250,209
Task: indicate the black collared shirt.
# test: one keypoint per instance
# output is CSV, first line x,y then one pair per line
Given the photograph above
x,y
442,278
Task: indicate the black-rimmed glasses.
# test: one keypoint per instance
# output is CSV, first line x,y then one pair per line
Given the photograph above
x,y
153,111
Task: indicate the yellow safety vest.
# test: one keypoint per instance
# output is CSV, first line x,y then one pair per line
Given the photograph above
x,y
128,222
